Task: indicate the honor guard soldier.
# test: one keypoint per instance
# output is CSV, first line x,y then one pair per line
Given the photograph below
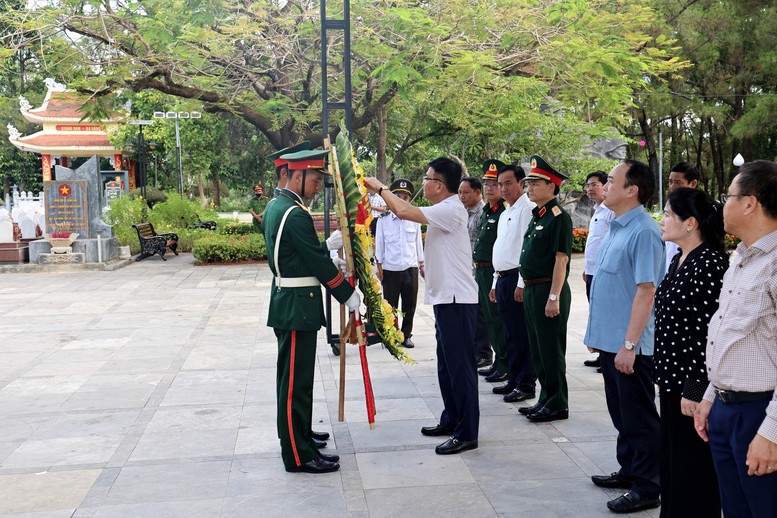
x,y
281,172
484,268
300,264
547,247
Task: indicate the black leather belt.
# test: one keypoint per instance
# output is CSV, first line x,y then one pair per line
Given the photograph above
x,y
731,396
505,273
481,264
538,280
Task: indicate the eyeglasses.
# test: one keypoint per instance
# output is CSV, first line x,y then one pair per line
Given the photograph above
x,y
427,179
725,197
591,185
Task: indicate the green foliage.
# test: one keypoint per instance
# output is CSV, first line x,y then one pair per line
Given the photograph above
x,y
237,229
124,212
178,213
731,241
187,237
236,201
153,196
217,248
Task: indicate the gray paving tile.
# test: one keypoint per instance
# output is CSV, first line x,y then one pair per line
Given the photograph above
x,y
50,492
449,500
412,469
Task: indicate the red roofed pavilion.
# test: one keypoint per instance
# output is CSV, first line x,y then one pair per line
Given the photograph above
x,y
65,134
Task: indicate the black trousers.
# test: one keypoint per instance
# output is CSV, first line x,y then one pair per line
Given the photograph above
x,y
402,285
516,334
482,345
456,372
632,407
689,486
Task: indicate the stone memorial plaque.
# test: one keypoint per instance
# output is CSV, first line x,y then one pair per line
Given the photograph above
x,y
66,206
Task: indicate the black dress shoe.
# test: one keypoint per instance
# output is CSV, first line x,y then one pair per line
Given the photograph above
x,y
454,445
484,362
436,431
496,377
517,395
504,389
593,363
321,436
545,414
614,480
408,343
487,371
319,444
528,410
631,502
317,465
330,458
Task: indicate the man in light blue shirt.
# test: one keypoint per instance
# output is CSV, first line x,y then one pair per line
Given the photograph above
x,y
620,326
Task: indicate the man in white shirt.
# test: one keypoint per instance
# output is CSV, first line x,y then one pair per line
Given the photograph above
x,y
399,254
598,228
507,288
378,211
451,290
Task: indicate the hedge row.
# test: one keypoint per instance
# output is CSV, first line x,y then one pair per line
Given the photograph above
x,y
220,248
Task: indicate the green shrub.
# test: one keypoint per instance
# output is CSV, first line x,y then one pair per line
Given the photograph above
x,y
188,236
178,213
124,212
235,201
237,228
217,248
579,237
153,196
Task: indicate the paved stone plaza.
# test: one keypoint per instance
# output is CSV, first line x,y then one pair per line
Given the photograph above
x,y
149,392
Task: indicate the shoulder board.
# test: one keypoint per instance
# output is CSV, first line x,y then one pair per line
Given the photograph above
x,y
303,207
556,211
504,204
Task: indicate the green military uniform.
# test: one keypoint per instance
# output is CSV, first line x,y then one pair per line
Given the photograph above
x,y
484,276
258,205
296,313
549,232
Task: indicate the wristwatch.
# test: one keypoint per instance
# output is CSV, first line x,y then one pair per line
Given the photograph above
x,y
553,297
629,346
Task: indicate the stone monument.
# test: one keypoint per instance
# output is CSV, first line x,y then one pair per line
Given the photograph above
x,y
73,204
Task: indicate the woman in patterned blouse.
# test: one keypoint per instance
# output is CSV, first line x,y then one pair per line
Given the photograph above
x,y
684,303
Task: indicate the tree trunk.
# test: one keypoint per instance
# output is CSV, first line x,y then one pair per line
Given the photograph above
x,y
216,190
647,131
201,186
382,119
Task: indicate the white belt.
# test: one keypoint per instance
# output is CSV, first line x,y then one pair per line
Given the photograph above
x,y
296,282
289,282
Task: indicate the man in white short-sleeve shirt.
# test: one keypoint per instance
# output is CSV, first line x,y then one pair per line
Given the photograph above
x,y
451,290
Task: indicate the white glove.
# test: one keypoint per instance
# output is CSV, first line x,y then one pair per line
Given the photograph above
x,y
341,264
353,301
335,241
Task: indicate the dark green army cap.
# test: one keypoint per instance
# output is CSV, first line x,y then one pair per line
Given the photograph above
x,y
276,157
491,169
542,170
402,185
307,159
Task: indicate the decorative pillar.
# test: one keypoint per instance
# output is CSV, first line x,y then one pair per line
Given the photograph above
x,y
131,169
45,161
117,164
63,161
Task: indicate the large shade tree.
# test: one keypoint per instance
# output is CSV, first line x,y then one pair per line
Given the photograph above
x,y
472,78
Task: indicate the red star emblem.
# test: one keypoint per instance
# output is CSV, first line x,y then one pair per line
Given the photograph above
x,y
64,190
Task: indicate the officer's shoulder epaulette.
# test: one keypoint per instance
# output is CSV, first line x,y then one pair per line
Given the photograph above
x,y
556,211
504,204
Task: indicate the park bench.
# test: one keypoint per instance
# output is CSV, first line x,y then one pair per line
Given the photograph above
x,y
152,243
